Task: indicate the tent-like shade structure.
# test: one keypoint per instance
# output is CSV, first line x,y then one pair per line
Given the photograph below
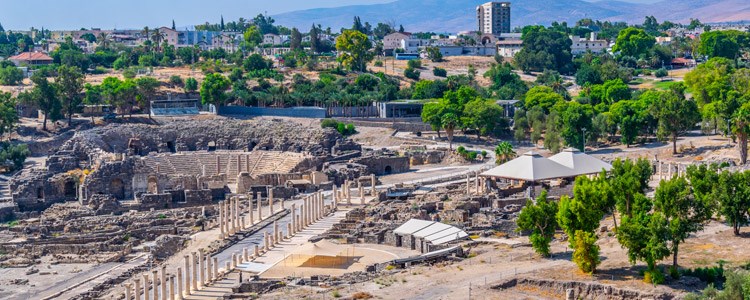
x,y
581,163
434,232
530,167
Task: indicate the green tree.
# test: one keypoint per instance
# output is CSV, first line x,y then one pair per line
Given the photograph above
x,y
213,89
8,113
256,62
625,114
10,75
450,122
191,85
45,97
676,116
253,37
434,54
504,152
70,83
484,116
147,87
544,49
645,235
741,125
733,195
295,40
431,114
634,42
576,121
543,97
584,211
723,43
354,48
685,213
539,218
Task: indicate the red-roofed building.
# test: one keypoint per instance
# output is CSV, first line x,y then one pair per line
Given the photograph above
x,y
31,59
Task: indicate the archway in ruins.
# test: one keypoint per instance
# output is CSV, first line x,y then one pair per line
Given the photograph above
x,y
211,146
117,189
152,185
171,147
40,193
69,189
388,170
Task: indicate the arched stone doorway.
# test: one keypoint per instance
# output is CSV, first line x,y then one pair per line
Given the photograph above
x,y
117,189
152,185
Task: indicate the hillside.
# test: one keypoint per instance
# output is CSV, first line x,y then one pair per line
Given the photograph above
x,y
452,16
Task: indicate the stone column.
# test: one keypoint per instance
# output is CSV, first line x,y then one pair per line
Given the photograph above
x,y
227,266
299,223
137,289
275,231
260,212
256,251
239,164
164,282
299,220
294,213
468,185
216,268
265,241
237,214
373,183
221,220
194,277
348,193
333,195
234,261
270,202
659,170
250,211
180,293
202,266
361,193
187,275
146,283
289,231
128,291
669,166
209,270
155,287
245,256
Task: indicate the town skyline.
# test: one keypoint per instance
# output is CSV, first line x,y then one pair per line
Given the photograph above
x,y
59,15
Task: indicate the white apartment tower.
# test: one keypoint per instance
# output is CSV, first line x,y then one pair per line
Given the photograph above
x,y
494,17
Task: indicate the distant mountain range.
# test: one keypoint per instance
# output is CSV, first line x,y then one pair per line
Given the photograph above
x,y
459,15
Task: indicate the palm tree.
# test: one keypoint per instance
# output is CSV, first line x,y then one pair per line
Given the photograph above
x,y
450,122
157,37
504,152
146,32
103,40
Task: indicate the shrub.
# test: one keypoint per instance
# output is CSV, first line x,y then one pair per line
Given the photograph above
x,y
13,156
390,267
414,63
343,129
586,254
336,294
10,76
411,73
128,73
661,73
176,80
713,275
654,277
439,72
378,63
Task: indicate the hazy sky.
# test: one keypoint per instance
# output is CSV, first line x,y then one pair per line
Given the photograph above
x,y
135,14
74,14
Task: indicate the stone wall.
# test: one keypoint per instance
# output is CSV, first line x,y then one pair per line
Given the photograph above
x,y
384,165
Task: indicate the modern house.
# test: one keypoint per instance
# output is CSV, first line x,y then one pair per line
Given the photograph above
x,y
31,59
493,17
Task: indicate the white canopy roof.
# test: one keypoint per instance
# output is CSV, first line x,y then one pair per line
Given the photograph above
x,y
530,167
434,232
581,163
